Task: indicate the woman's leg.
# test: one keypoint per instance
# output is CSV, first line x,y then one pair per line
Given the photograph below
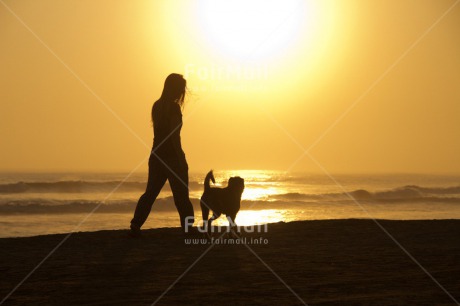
x,y
157,179
178,180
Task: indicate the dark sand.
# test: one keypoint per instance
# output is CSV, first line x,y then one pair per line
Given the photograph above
x,y
341,262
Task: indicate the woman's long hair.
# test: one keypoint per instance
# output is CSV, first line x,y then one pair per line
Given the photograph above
x,y
174,90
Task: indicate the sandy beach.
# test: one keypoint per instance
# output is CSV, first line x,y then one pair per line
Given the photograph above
x,y
339,262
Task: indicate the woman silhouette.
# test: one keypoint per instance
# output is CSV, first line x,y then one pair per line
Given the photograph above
x,y
167,160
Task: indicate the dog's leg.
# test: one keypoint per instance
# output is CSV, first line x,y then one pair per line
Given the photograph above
x,y
231,219
204,213
214,217
233,227
208,227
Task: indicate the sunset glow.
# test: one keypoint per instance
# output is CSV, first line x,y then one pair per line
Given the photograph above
x,y
253,29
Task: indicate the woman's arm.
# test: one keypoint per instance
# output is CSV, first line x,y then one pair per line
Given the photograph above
x,y
176,124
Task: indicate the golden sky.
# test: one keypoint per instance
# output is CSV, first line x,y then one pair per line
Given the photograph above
x,y
374,86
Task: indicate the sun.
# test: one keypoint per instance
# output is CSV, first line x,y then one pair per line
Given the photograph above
x,y
253,29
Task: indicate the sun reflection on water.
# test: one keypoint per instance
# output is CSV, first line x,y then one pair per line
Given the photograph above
x,y
258,193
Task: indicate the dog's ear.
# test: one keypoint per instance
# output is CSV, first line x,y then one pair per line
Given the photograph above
x,y
236,182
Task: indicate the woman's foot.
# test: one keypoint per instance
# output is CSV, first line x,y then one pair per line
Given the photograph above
x,y
134,231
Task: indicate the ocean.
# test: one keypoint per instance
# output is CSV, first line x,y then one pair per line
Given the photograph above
x,y
49,203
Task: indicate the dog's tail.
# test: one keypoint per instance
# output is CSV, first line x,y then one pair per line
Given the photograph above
x,y
209,176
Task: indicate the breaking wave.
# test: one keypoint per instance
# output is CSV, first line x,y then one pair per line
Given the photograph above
x,y
405,194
